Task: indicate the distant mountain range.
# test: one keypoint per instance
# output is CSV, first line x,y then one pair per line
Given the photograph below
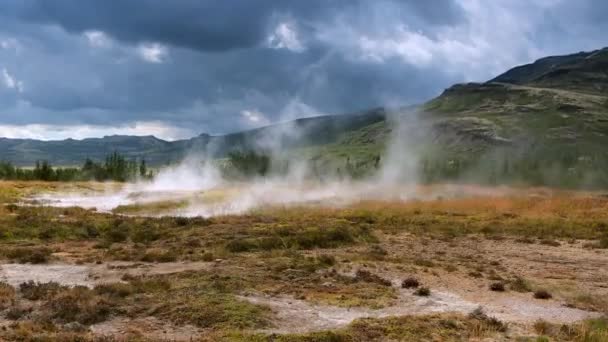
x,y
552,111
302,132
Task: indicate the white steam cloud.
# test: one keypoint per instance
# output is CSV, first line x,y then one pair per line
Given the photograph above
x,y
200,188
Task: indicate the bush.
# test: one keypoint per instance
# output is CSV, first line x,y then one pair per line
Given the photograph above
x,y
119,290
377,252
475,274
208,257
551,243
368,277
17,312
520,285
39,291
542,294
492,322
423,292
143,234
33,255
7,295
241,245
118,231
159,256
79,304
542,327
181,221
497,287
326,260
603,241
409,283
309,238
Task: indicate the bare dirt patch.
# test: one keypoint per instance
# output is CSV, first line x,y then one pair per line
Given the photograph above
x,y
70,275
91,275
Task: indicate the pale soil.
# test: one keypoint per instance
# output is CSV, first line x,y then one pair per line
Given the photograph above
x,y
566,271
300,316
91,275
71,275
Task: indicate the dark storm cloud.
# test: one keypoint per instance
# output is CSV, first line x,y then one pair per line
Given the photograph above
x,y
220,66
208,25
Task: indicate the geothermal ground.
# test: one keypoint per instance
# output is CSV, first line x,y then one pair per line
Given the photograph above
x,y
267,261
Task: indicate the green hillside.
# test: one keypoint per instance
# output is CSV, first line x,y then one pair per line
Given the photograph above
x,y
542,123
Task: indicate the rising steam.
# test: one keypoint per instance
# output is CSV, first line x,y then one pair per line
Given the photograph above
x,y
199,182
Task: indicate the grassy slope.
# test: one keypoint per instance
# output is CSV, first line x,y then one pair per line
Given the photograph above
x,y
552,115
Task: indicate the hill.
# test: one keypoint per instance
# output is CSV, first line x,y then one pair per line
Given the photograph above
x,y
544,122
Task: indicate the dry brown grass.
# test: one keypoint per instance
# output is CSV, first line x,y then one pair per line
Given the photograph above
x,y
310,253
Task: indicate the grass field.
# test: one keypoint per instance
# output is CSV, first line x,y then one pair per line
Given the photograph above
x,y
257,276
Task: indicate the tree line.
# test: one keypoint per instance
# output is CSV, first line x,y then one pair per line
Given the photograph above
x,y
115,167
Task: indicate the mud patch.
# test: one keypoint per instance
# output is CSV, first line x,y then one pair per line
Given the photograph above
x,y
299,316
91,275
114,272
69,275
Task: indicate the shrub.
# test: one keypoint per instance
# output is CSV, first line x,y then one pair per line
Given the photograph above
x,y
542,294
117,232
451,268
39,291
7,295
309,238
542,327
603,241
119,290
193,243
159,256
475,274
492,322
423,292
551,243
208,257
79,304
368,277
240,245
145,285
525,240
377,252
520,285
497,287
17,312
33,255
181,221
409,283
326,260
145,234
424,263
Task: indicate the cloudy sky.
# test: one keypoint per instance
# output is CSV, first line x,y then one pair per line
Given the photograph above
x,y
177,68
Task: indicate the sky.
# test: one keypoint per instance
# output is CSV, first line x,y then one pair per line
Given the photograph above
x,y
179,68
